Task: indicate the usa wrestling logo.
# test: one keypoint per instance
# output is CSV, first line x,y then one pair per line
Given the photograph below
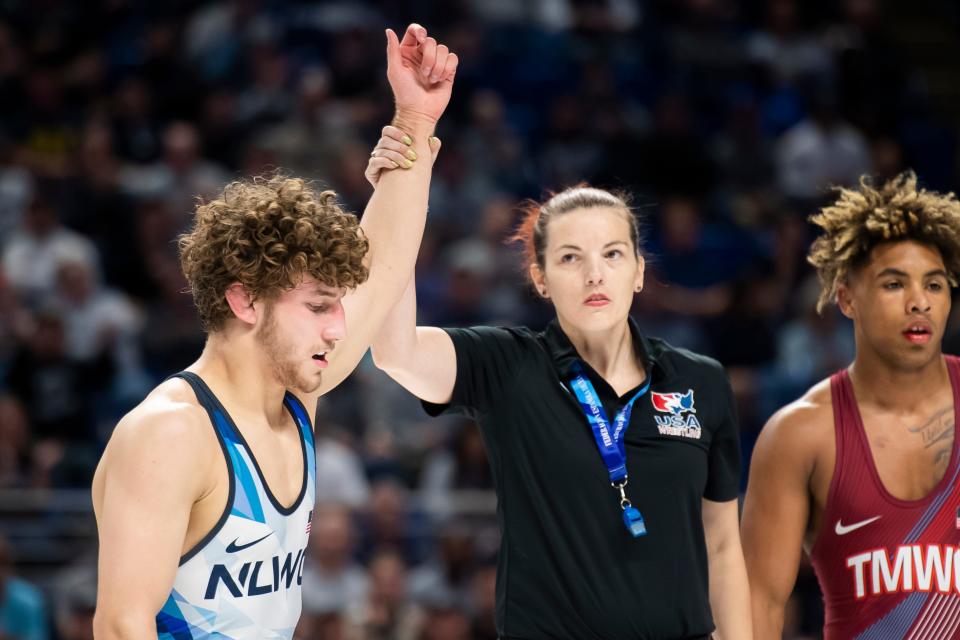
x,y
681,418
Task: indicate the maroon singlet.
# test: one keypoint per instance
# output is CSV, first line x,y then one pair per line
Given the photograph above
x,y
889,569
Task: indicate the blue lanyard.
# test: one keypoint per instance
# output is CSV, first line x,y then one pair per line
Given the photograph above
x,y
610,443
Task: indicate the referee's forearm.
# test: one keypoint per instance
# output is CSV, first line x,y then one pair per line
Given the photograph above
x,y
396,342
730,593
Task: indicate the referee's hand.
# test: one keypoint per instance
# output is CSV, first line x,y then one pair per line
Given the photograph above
x,y
394,151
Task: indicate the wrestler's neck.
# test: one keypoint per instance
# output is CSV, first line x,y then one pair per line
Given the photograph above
x,y
238,372
893,386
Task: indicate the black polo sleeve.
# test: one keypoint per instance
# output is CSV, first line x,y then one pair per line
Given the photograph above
x,y
488,360
723,475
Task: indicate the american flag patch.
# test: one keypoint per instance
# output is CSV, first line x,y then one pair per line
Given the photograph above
x,y
310,520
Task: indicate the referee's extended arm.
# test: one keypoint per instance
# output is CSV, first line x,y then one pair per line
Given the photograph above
x,y
421,359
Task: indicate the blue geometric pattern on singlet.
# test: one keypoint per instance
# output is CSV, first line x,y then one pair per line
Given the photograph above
x,y
242,581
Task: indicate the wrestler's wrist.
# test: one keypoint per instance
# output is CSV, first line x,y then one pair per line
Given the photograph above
x,y
416,124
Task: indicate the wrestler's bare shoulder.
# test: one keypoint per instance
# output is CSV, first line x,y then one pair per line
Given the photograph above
x,y
170,410
170,421
805,425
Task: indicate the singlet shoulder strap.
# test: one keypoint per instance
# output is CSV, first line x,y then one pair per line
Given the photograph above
x,y
953,368
209,402
852,447
224,435
846,413
301,416
839,397
305,424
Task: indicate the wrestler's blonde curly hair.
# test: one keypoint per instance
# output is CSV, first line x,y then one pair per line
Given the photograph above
x,y
860,219
266,234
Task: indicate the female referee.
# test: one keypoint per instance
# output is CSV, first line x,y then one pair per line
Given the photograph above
x,y
615,455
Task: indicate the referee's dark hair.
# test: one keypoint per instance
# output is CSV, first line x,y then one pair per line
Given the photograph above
x,y
532,231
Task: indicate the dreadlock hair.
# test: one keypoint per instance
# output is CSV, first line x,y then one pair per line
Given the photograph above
x,y
860,219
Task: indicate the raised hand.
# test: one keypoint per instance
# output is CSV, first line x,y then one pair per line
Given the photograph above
x,y
393,151
420,72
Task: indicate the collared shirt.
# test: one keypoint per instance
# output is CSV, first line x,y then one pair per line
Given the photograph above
x,y
567,566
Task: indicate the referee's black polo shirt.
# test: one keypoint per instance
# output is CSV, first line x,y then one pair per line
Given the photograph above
x,y
568,568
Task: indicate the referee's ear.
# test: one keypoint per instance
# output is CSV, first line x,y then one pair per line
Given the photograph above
x,y
641,268
539,282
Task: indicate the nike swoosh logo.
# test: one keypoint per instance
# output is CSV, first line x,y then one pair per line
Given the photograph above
x,y
233,547
844,530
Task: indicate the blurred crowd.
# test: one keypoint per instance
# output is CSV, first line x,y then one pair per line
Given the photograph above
x,y
727,122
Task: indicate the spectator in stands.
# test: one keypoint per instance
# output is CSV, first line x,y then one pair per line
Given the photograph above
x,y
457,194
136,130
450,569
672,157
14,443
16,183
73,593
96,206
266,99
444,616
59,393
571,152
330,572
391,523
54,385
324,617
180,176
75,613
742,154
483,602
812,345
697,261
461,466
15,321
821,151
785,48
387,613
47,130
23,613
307,143
171,335
471,265
32,250
99,319
340,476
495,148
